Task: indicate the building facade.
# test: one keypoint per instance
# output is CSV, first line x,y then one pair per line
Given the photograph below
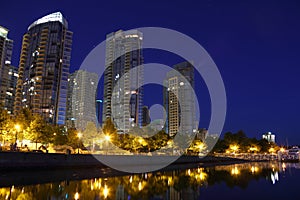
x,y
145,116
9,79
8,73
44,68
122,100
6,47
270,137
179,100
81,104
99,109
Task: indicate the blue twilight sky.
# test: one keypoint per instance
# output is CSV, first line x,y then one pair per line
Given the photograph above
x,y
255,45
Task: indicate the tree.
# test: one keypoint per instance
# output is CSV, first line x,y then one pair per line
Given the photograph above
x,y
73,139
109,127
60,137
90,135
39,130
6,125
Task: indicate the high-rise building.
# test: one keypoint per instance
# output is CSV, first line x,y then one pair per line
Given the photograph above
x,y
123,52
179,100
8,84
145,116
99,108
269,136
6,46
7,72
44,68
82,93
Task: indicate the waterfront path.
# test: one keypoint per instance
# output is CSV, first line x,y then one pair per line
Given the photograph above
x,y
29,160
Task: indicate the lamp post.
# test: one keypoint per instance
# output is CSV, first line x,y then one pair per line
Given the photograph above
x,y
79,135
107,139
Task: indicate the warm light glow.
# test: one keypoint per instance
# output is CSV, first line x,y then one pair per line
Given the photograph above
x,y
282,149
271,150
107,137
201,147
283,166
170,180
17,127
189,172
235,171
12,188
105,191
253,149
234,148
76,196
79,135
140,186
130,179
254,169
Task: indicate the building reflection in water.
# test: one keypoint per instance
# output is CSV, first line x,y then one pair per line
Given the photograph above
x,y
172,185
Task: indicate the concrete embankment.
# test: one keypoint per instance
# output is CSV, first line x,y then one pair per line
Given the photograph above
x,y
29,161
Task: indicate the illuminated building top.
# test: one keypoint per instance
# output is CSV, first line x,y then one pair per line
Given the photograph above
x,y
50,18
3,32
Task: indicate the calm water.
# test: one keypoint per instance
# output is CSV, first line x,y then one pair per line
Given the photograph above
x,y
239,181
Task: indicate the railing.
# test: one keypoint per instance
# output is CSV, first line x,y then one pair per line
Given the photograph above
x,y
262,157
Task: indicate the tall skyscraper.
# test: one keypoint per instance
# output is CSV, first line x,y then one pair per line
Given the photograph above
x,y
123,52
145,116
179,100
8,73
6,46
44,68
99,109
8,84
82,93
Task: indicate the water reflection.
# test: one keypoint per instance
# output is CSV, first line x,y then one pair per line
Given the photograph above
x,y
176,184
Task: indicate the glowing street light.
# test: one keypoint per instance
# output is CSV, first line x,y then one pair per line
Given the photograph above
x,y
76,196
17,127
107,138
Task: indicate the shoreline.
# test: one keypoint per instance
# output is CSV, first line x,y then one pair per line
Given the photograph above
x,y
20,161
45,175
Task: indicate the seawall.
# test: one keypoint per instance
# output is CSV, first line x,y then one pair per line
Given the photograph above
x,y
29,161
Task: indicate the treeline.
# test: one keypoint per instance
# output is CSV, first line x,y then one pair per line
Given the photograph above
x,y
239,143
33,127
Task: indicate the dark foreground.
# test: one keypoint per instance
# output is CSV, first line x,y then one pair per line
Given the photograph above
x,y
247,180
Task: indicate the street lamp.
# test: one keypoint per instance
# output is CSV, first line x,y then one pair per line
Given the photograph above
x,y
107,139
79,135
76,196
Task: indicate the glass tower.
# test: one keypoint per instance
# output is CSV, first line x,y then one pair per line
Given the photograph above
x,y
122,97
8,74
44,68
179,100
82,91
